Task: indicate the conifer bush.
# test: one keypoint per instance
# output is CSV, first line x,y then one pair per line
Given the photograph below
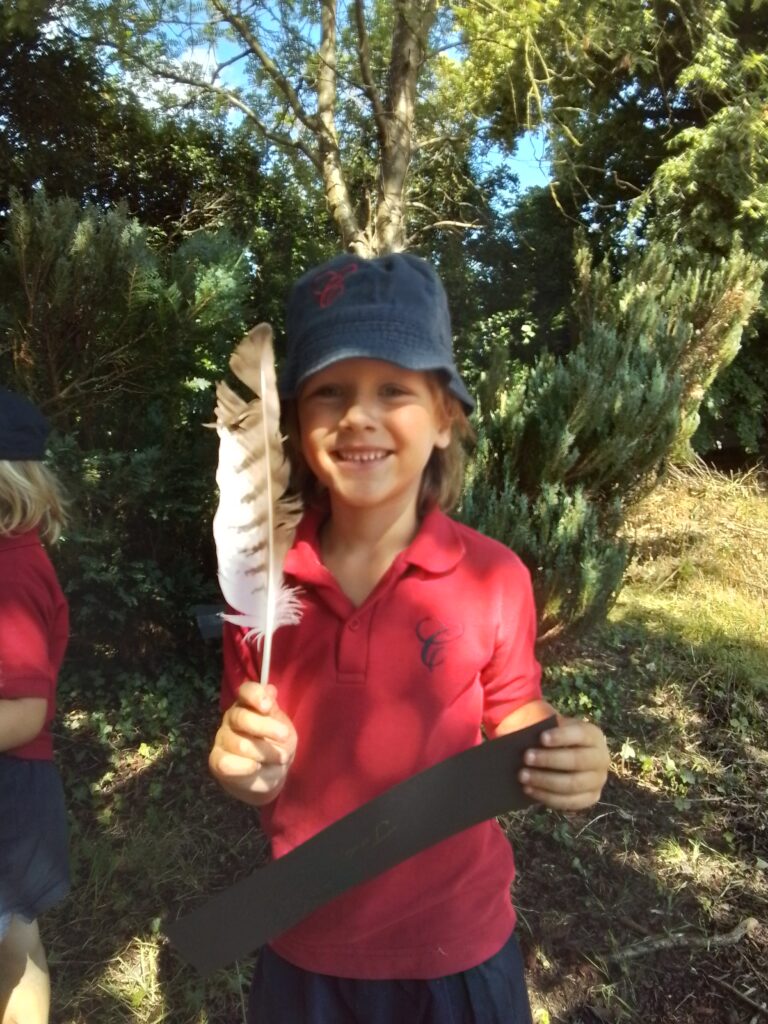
x,y
118,338
567,446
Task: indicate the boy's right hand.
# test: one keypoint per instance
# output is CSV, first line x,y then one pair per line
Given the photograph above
x,y
254,747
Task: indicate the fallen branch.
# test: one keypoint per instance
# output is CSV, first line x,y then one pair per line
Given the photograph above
x,y
683,941
760,1007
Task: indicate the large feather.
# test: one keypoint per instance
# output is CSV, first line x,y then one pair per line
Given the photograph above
x,y
254,524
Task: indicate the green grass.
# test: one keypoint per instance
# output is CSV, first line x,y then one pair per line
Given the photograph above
x,y
678,678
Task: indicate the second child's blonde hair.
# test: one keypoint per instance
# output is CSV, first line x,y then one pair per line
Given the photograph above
x,y
30,498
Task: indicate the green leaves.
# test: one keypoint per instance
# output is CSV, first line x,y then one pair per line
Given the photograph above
x,y
23,17
567,446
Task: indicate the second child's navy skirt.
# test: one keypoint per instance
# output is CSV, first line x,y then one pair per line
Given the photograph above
x,y
34,855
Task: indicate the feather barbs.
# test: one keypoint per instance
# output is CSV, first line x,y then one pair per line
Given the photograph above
x,y
255,522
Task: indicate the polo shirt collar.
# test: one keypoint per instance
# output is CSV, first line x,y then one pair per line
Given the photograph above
x,y
30,538
437,547
303,560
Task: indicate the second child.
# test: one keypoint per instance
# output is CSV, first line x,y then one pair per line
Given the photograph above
x,y
34,628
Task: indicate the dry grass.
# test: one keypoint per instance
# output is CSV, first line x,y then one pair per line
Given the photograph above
x,y
702,547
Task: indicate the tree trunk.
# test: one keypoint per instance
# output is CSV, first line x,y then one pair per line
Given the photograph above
x,y
369,224
353,236
395,118
414,19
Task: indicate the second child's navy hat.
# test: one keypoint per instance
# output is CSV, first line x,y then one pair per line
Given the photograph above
x,y
23,429
393,308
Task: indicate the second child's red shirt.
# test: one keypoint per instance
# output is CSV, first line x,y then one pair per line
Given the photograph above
x,y
34,628
444,643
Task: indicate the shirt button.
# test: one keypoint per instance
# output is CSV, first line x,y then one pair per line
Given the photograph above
x,y
354,624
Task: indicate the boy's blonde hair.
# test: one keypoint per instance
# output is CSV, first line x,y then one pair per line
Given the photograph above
x,y
443,475
30,498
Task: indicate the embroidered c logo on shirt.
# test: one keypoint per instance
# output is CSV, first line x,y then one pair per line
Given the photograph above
x,y
329,286
434,635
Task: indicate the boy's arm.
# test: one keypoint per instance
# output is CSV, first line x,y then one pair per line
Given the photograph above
x,y
569,769
21,719
254,747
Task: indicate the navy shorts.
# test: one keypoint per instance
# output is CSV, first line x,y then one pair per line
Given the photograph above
x,y
34,855
494,992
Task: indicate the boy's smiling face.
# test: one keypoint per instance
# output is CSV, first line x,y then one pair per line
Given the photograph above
x,y
368,428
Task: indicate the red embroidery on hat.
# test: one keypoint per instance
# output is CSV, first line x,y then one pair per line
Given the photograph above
x,y
329,286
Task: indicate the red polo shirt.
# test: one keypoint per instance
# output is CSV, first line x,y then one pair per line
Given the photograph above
x,y
444,643
34,627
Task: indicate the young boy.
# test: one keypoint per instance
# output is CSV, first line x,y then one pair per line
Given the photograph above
x,y
416,632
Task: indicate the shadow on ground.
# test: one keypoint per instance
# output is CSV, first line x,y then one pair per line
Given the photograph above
x,y
152,835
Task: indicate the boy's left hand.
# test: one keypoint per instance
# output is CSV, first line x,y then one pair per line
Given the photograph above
x,y
568,771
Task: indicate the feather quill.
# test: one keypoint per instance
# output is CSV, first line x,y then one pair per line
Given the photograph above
x,y
255,523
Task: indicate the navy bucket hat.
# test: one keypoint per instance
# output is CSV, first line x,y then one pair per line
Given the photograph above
x,y
393,308
23,428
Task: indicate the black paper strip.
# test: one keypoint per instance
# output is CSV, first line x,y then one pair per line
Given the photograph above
x,y
453,795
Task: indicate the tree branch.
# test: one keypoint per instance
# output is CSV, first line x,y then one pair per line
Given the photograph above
x,y
436,140
243,29
228,63
369,86
680,941
413,20
457,225
281,139
760,1007
326,75
336,190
